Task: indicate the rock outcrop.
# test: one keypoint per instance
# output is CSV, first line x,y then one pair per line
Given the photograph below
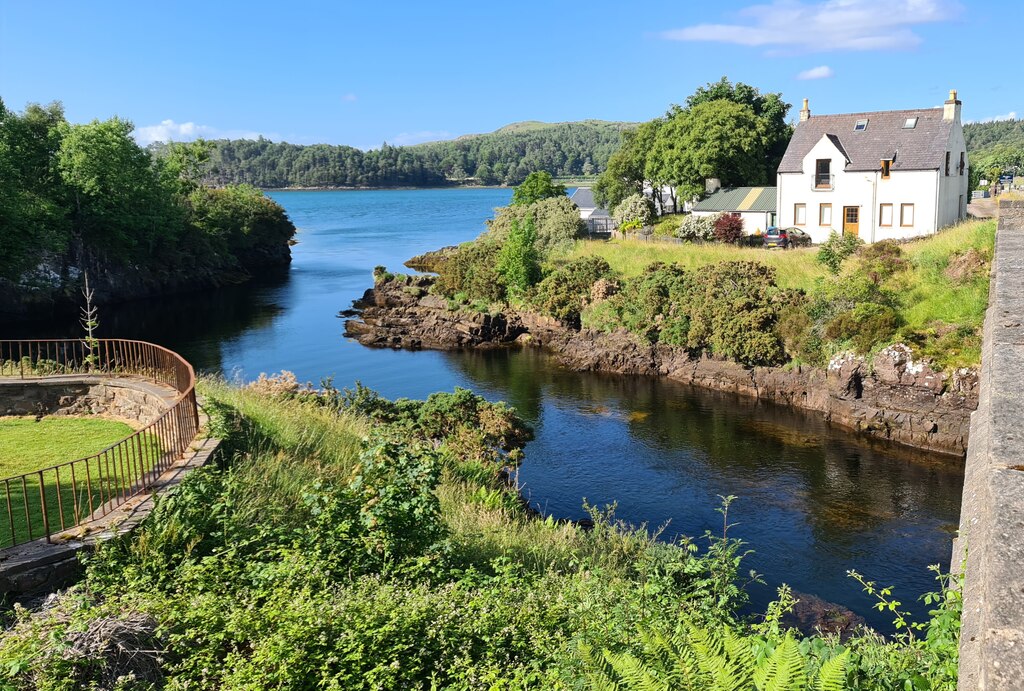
x,y
891,397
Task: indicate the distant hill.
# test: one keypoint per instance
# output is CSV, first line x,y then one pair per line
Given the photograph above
x,y
984,136
505,156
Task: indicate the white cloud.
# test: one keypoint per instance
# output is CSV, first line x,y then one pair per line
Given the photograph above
x,y
169,130
1012,115
408,138
824,26
349,97
822,72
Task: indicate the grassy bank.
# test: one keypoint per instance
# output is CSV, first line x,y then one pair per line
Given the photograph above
x,y
344,541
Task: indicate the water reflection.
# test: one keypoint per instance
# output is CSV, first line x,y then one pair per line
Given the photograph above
x,y
813,502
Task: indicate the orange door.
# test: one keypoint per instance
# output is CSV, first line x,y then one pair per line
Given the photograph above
x,y
851,220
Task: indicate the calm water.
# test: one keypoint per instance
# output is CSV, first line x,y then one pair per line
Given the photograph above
x,y
812,501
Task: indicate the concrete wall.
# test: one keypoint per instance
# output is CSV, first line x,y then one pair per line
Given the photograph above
x,y
992,514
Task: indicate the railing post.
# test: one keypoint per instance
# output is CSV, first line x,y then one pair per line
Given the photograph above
x,y
42,502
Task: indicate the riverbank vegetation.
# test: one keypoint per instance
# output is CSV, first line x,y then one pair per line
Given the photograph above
x,y
751,305
86,197
346,541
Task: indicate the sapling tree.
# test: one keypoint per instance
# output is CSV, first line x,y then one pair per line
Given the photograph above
x,y
90,322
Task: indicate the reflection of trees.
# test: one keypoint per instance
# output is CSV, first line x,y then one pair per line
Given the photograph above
x,y
845,486
194,324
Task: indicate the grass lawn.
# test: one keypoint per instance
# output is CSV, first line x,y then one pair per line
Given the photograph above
x,y
27,445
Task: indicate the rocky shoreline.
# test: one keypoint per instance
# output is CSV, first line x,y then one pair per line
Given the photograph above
x,y
890,397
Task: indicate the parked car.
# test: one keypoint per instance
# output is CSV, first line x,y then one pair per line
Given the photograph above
x,y
786,238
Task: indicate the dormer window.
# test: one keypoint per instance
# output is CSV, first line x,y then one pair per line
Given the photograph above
x,y
910,123
823,173
861,125
886,167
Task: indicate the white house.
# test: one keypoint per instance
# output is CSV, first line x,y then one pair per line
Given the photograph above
x,y
755,205
891,174
583,198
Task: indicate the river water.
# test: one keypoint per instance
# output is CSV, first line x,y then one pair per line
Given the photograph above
x,y
812,501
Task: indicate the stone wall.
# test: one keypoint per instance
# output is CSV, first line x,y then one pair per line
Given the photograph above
x,y
992,515
135,402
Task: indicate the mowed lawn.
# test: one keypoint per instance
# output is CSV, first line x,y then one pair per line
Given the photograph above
x,y
28,446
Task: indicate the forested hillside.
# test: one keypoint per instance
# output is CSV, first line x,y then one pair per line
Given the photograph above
x,y
506,156
994,147
87,198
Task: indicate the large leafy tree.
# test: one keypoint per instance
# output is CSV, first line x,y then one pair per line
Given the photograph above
x,y
625,173
714,139
536,187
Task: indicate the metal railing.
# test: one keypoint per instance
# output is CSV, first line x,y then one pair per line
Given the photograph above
x,y
44,502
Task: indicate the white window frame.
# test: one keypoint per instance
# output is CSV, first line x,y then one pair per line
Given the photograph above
x,y
881,215
903,215
798,211
822,220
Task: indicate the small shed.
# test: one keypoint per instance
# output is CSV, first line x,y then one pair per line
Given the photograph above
x,y
755,205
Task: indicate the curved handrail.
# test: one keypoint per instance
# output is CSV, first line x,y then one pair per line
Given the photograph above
x,y
95,485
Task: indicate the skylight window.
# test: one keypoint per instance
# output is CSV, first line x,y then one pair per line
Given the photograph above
x,y
910,123
861,125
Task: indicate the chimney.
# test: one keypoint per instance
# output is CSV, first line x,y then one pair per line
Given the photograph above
x,y
805,114
951,108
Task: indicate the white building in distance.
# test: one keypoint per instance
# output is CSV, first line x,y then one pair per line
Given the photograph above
x,y
892,174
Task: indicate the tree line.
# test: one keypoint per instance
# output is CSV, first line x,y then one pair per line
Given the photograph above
x,y
506,157
995,148
79,196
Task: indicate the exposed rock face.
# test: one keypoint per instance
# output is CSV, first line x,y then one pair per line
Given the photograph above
x,y
894,397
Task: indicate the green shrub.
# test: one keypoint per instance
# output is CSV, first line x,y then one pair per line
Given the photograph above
x,y
518,260
556,222
565,292
472,270
836,249
866,325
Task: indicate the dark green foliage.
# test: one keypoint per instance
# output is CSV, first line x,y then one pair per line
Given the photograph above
x,y
566,291
728,310
536,187
518,259
503,157
734,311
865,325
728,228
836,249
881,260
88,195
472,270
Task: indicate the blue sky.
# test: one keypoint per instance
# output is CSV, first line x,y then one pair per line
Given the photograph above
x,y
361,73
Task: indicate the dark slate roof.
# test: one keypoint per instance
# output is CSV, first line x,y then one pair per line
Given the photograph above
x,y
583,197
922,148
739,199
